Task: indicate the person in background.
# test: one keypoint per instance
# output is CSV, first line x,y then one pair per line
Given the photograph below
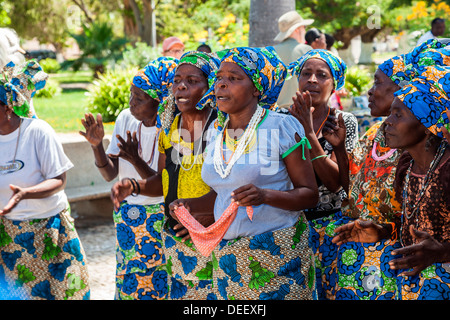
x,y
41,257
290,48
204,48
437,30
133,154
316,39
329,39
173,47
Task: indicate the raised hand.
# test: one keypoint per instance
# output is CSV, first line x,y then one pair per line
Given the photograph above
x,y
128,149
334,130
94,129
302,109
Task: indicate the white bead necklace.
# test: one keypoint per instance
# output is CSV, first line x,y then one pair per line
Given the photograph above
x,y
240,147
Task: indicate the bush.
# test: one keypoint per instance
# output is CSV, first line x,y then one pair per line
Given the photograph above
x,y
109,95
140,55
357,81
50,65
50,90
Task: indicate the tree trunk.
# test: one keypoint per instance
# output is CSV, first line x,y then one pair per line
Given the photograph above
x,y
367,45
263,20
129,24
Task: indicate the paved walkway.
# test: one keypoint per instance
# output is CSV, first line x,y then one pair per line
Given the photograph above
x,y
99,245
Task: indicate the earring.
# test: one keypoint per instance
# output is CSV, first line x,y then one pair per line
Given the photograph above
x,y
8,117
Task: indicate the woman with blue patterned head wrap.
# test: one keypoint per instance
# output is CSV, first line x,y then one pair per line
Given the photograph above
x,y
263,67
133,155
34,210
258,168
319,74
422,183
372,168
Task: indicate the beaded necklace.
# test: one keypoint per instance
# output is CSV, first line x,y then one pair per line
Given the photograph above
x,y
240,146
406,205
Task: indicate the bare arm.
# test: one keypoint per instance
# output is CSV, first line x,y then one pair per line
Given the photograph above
x,y
42,190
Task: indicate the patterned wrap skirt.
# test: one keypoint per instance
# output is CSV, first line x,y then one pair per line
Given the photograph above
x,y
189,273
325,253
140,272
433,283
276,265
42,259
363,271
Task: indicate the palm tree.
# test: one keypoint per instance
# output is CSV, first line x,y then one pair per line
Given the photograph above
x,y
98,45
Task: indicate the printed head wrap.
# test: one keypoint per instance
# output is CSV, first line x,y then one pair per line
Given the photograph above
x,y
264,68
156,77
337,66
401,69
426,96
208,63
19,83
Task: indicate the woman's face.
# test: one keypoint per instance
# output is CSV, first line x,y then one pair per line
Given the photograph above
x,y
316,78
189,86
403,130
142,106
381,94
234,89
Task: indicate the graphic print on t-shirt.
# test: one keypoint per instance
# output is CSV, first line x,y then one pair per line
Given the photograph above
x,y
11,167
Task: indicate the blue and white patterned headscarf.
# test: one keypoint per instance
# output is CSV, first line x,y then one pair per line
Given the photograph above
x,y
426,96
401,69
337,66
263,66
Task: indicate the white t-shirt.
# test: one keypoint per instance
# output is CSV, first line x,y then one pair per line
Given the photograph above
x,y
126,121
426,36
40,156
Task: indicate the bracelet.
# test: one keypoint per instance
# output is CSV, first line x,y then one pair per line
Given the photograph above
x,y
132,184
100,166
135,186
321,156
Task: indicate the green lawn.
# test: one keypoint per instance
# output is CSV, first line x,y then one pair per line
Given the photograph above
x,y
64,112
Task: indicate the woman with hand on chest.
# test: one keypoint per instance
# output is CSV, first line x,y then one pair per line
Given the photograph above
x,y
259,170
183,122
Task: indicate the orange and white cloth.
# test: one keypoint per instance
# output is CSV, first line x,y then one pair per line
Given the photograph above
x,y
206,239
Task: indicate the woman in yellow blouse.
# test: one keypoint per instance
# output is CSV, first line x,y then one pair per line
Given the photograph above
x,y
181,146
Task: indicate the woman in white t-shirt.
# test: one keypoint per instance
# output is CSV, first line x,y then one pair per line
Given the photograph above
x,y
41,254
133,154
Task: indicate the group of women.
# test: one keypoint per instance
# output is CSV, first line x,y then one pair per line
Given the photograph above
x,y
220,196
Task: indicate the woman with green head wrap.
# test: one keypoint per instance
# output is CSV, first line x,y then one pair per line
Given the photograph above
x,y
181,146
42,257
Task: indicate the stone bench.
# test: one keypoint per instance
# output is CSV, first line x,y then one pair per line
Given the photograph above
x,y
88,193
